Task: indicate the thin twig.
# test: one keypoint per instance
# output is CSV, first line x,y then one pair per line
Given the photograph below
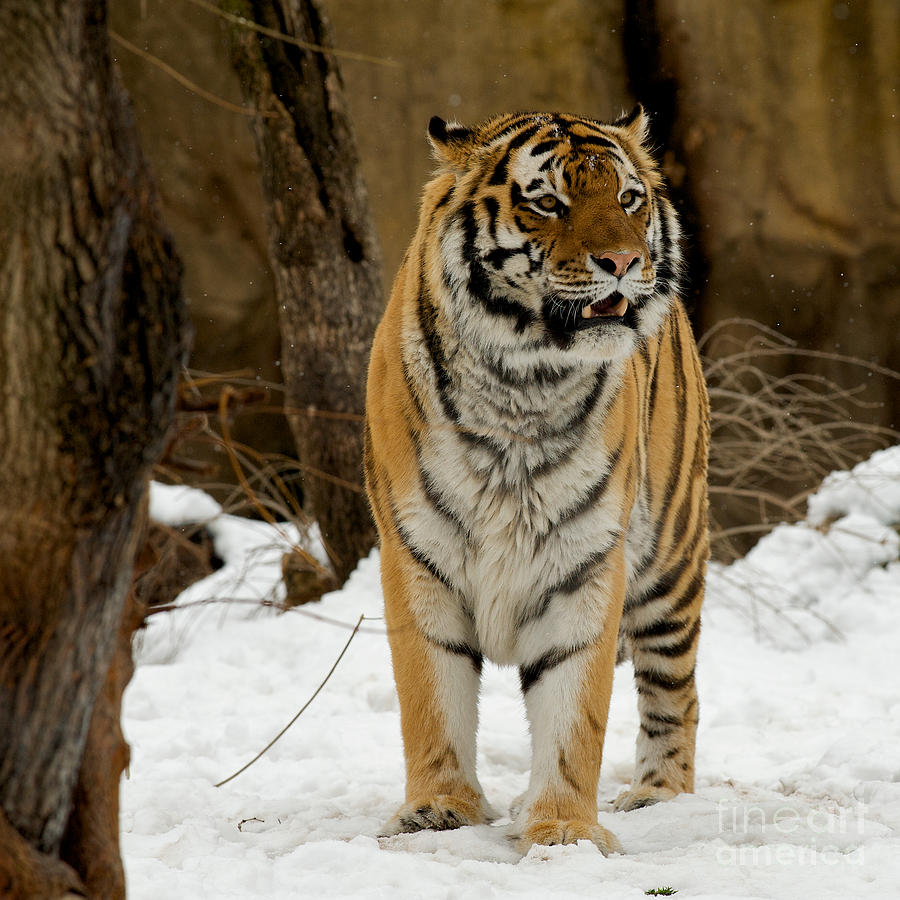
x,y
301,710
184,81
266,604
244,22
228,444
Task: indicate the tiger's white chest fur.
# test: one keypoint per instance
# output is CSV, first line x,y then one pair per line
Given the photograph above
x,y
512,498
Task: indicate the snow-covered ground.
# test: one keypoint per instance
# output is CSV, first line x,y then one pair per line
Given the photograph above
x,y
798,766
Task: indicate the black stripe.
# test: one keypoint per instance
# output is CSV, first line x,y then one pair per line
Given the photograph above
x,y
654,387
427,319
544,374
579,576
630,319
664,720
574,427
415,552
434,496
515,121
574,580
578,141
585,145
649,558
428,323
576,423
492,206
676,454
663,586
666,275
689,594
541,374
479,283
554,462
499,255
653,734
413,390
682,516
668,581
445,199
679,649
459,649
644,354
651,679
660,628
544,147
596,490
500,172
530,674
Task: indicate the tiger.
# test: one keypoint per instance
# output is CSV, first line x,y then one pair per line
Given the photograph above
x,y
535,457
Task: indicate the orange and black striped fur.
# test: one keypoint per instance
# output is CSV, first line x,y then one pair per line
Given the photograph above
x,y
536,447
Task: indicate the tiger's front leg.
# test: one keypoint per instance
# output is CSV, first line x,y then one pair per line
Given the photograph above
x,y
567,690
437,669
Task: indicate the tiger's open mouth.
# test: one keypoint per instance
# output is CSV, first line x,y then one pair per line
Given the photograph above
x,y
609,309
574,315
614,305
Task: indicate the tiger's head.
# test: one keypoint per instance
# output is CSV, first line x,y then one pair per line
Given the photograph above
x,y
557,227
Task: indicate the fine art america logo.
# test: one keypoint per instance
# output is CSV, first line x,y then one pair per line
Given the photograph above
x,y
779,833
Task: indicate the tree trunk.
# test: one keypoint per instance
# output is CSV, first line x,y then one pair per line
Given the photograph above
x,y
90,346
324,255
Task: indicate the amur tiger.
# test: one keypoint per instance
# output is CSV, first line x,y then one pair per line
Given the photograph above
x,y
536,446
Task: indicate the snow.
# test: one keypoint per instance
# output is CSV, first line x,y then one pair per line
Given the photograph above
x,y
798,764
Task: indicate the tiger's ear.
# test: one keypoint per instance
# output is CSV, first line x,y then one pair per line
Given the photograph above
x,y
636,124
450,141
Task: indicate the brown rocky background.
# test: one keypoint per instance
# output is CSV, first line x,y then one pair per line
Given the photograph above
x,y
777,120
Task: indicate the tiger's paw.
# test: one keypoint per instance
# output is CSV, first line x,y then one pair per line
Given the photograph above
x,y
548,832
638,798
438,812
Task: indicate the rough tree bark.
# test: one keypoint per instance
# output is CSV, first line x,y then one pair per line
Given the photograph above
x,y
324,255
90,345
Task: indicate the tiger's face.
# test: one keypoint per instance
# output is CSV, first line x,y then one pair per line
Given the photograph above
x,y
560,224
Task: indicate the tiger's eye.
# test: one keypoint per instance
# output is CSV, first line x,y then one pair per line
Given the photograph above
x,y
548,202
627,198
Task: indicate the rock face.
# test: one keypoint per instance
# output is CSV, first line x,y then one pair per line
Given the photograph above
x,y
788,121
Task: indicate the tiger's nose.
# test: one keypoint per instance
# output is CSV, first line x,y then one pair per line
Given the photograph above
x,y
616,263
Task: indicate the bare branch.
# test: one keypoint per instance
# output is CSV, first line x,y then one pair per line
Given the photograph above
x,y
299,712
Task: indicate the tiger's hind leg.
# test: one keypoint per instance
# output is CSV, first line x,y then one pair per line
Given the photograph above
x,y
663,630
437,681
